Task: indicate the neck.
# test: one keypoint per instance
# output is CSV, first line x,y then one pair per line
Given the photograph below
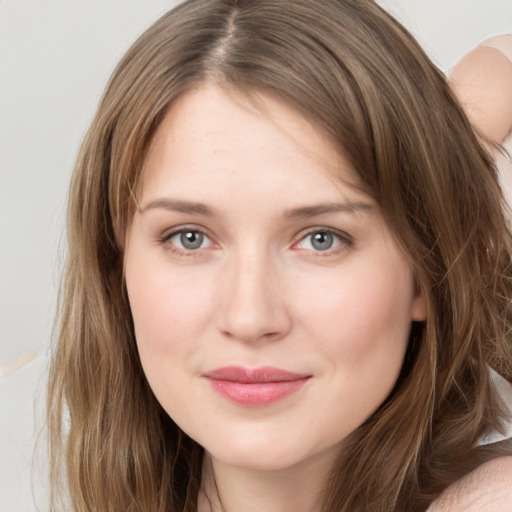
x,y
299,488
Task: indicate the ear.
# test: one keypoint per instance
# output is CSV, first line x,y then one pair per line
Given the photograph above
x,y
419,305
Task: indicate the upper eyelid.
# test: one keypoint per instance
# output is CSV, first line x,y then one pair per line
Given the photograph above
x,y
169,233
303,233
323,229
165,241
346,241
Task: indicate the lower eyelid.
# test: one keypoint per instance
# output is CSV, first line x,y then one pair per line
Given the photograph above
x,y
344,239
173,248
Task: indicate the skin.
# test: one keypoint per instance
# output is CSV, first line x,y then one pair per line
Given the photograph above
x,y
482,80
487,489
258,292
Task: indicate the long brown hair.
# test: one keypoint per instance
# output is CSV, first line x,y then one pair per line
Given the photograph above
x,y
362,79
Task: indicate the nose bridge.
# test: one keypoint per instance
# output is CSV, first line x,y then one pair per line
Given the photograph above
x,y
253,308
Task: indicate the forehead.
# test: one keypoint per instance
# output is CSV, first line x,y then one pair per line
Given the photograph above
x,y
212,137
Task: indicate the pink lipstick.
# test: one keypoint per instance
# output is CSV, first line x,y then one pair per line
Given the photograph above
x,y
255,387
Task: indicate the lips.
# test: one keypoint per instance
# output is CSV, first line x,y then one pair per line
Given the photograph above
x,y
255,386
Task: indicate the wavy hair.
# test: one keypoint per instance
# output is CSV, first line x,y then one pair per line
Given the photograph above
x,y
359,76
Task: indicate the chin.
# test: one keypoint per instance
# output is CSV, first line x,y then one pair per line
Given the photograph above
x,y
258,461
268,454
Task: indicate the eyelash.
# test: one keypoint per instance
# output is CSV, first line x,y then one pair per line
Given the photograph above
x,y
165,241
345,241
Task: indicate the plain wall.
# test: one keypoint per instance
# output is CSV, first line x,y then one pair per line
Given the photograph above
x,y
55,58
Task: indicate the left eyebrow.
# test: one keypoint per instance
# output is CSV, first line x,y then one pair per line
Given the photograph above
x,y
304,212
178,205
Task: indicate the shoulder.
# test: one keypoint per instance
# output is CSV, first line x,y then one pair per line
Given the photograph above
x,y
487,489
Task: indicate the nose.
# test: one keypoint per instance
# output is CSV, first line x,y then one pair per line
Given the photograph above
x,y
254,307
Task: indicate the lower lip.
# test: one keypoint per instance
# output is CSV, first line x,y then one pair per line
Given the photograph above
x,y
257,394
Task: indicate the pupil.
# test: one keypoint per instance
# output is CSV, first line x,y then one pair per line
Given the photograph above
x,y
322,241
192,239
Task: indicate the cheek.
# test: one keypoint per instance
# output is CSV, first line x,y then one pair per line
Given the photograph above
x,y
169,308
367,312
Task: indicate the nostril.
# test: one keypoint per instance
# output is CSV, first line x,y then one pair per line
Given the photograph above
x,y
266,328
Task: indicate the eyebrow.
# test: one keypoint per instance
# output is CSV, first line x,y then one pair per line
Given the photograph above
x,y
177,205
302,212
305,212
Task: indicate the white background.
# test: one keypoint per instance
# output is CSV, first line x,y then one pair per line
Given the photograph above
x,y
55,58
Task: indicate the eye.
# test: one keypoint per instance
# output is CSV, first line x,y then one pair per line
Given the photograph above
x,y
190,240
320,241
185,240
323,240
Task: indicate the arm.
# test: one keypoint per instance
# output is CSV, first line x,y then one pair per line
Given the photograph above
x,y
482,80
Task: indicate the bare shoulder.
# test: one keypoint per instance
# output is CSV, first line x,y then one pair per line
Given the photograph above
x,y
487,489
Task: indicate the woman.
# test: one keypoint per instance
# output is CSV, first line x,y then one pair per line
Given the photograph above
x,y
288,281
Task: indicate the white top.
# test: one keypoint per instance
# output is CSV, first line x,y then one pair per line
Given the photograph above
x,y
505,389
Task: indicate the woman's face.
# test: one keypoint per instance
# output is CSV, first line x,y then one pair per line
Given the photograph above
x,y
272,305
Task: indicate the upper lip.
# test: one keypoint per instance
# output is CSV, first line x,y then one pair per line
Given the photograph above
x,y
254,375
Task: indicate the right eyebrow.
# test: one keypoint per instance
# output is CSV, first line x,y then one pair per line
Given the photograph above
x,y
178,205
